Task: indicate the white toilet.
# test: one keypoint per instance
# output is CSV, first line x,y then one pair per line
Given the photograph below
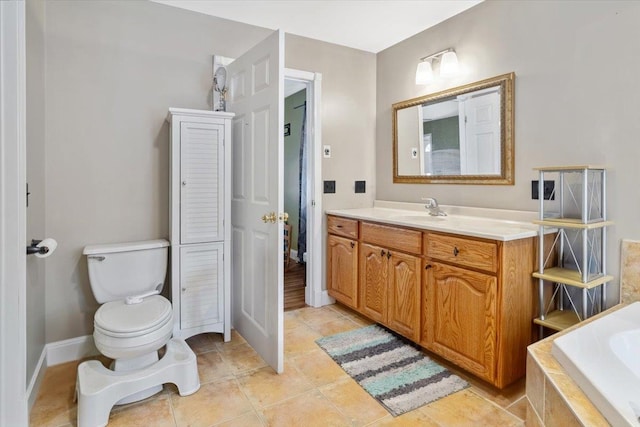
x,y
130,326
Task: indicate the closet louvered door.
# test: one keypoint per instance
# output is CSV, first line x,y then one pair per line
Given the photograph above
x,y
201,182
201,279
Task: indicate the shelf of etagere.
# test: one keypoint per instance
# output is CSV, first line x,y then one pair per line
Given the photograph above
x,y
576,209
576,168
571,223
558,320
571,277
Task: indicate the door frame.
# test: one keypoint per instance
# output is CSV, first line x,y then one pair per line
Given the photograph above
x,y
313,294
13,215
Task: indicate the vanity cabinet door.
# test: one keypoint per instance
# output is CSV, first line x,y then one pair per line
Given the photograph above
x,y
373,272
404,294
342,270
460,318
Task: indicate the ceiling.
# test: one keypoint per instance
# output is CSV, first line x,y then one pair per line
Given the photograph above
x,y
370,25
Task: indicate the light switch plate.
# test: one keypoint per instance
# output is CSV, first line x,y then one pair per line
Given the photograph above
x,y
326,151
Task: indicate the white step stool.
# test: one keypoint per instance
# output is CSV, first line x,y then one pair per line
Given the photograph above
x,y
99,388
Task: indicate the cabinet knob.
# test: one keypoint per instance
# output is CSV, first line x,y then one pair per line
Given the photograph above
x,y
353,244
455,251
388,255
184,183
428,266
382,252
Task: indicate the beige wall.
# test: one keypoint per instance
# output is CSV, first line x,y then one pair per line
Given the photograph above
x,y
113,68
35,30
348,114
576,76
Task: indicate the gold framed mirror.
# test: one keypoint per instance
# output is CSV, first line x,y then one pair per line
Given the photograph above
x,y
463,135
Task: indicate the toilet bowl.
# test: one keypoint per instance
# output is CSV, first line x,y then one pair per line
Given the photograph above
x,y
126,331
131,325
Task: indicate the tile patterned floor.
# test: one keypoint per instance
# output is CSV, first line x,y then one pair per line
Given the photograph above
x,y
238,389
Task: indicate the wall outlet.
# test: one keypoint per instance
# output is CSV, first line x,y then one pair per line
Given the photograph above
x,y
329,187
360,187
549,188
326,152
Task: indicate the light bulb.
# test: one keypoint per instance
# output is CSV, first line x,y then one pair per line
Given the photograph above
x,y
424,73
449,64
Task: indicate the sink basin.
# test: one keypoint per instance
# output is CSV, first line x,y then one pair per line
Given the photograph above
x,y
420,218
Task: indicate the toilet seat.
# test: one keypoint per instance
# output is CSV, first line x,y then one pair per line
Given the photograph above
x,y
131,330
120,320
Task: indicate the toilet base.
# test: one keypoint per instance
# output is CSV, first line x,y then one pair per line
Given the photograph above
x,y
134,364
99,388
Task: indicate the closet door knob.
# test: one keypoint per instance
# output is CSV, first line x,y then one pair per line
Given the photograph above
x,y
184,183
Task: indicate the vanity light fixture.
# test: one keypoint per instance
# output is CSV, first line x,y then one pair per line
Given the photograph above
x,y
448,66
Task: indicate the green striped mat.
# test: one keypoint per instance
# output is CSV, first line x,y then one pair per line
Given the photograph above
x,y
395,373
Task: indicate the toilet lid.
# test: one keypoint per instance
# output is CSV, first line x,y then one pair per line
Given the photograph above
x,y
122,319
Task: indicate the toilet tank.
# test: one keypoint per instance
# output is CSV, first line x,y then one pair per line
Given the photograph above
x,y
119,270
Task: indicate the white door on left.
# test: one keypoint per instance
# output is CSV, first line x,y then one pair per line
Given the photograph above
x,y
256,97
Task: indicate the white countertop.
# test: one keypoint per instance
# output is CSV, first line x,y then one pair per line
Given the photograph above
x,y
495,224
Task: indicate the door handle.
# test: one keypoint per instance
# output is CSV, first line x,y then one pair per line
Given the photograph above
x,y
270,217
283,217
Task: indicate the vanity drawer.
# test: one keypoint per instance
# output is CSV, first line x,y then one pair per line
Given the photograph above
x,y
465,252
401,239
342,226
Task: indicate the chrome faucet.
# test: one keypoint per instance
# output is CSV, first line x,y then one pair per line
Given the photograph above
x,y
431,205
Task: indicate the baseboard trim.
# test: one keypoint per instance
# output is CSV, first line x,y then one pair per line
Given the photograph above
x,y
70,350
55,353
36,379
322,298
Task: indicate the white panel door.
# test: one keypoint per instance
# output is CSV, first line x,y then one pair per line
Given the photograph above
x,y
480,152
201,285
201,182
255,95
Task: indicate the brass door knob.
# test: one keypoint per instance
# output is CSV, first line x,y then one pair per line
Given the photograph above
x,y
283,217
269,217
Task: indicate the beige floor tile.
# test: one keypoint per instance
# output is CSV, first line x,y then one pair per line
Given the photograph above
x,y
466,408
203,343
410,419
354,402
265,387
300,340
212,404
252,419
154,412
291,320
236,339
54,405
342,310
502,398
212,367
519,408
336,326
315,316
241,358
309,410
317,367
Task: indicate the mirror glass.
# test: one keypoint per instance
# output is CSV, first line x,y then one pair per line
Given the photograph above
x,y
462,135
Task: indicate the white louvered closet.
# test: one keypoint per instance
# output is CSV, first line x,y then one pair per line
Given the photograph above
x,y
200,241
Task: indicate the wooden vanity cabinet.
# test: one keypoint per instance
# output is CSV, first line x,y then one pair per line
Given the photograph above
x,y
342,260
467,299
390,277
478,304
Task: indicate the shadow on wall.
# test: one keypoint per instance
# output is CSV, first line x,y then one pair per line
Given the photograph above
x,y
80,281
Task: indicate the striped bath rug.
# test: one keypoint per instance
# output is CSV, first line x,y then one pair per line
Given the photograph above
x,y
390,369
